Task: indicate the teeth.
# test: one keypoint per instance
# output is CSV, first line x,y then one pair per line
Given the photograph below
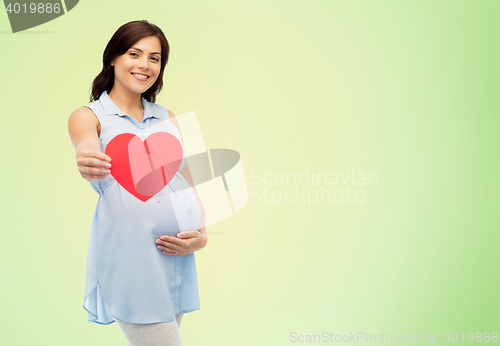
x,y
140,75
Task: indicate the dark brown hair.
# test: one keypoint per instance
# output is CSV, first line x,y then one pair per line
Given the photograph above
x,y
124,38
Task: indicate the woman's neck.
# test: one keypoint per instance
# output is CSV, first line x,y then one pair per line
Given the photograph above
x,y
127,101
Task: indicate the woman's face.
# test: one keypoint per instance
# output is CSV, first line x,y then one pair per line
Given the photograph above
x,y
143,58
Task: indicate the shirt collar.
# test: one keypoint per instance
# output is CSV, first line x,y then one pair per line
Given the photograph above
x,y
111,109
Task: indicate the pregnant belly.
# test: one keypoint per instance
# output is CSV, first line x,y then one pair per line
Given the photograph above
x,y
121,215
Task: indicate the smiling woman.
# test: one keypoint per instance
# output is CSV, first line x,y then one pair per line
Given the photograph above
x,y
135,70
131,44
141,269
137,58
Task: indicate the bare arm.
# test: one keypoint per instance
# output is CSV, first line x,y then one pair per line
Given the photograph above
x,y
83,128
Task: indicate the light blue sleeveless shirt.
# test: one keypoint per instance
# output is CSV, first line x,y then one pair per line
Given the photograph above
x,y
128,278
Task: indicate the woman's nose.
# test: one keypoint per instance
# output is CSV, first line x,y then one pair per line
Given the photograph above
x,y
143,63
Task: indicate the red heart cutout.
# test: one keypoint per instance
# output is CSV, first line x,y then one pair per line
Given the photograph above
x,y
144,168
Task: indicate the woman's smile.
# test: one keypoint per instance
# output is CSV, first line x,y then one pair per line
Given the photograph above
x,y
141,77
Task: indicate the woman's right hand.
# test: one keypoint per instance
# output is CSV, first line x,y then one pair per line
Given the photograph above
x,y
84,129
93,164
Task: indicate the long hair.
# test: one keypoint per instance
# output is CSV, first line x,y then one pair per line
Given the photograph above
x,y
124,38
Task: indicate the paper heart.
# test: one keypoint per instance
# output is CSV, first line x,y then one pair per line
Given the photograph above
x,y
144,168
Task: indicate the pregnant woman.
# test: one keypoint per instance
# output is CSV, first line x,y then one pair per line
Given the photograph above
x,y
141,269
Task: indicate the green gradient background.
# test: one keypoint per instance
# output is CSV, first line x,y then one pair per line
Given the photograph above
x,y
405,89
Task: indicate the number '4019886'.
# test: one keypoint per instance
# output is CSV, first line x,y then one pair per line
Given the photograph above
x,y
34,8
471,336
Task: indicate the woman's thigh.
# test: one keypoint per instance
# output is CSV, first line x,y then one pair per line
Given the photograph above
x,y
153,334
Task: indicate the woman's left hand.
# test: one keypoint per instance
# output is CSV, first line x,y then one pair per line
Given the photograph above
x,y
185,243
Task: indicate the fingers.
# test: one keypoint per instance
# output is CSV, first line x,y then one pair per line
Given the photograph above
x,y
89,170
93,165
171,252
92,162
96,154
89,173
169,248
188,234
169,243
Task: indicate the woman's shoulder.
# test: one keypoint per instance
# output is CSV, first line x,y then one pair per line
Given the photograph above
x,y
170,113
83,112
82,120
84,116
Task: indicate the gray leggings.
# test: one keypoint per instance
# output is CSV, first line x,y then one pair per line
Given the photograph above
x,y
153,334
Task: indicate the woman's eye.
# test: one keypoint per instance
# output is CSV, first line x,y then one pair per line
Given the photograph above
x,y
135,54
